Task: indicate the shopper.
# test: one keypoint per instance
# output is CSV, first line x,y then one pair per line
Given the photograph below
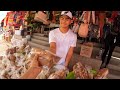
x,y
62,40
111,41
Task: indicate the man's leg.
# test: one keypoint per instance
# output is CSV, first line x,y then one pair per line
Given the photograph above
x,y
112,47
105,51
103,57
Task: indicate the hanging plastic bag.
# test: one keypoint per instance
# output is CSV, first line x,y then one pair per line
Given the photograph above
x,y
93,30
87,16
41,17
93,17
83,29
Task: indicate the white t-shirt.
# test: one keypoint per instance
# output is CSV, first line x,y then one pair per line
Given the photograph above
x,y
63,42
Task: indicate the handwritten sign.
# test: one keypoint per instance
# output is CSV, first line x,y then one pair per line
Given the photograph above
x,y
86,51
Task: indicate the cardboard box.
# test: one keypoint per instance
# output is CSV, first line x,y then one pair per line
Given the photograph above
x,y
86,49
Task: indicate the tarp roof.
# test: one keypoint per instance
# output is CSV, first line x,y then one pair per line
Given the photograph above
x,y
3,15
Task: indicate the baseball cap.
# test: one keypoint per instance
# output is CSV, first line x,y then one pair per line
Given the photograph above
x,y
68,13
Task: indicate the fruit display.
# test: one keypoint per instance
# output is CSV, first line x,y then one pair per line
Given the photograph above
x,y
15,62
18,60
56,72
87,72
79,72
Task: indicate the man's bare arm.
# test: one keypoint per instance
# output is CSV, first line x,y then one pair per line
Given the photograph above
x,y
69,56
53,47
34,69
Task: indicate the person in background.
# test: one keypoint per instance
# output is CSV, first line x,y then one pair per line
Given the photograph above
x,y
111,41
62,40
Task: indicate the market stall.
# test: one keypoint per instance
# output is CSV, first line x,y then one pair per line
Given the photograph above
x,y
48,69
18,60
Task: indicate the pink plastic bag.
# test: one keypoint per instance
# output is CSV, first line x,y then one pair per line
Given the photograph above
x,y
83,30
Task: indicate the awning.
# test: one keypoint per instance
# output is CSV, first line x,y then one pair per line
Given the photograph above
x,y
3,15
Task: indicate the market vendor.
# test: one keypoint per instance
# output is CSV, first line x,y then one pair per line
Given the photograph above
x,y
62,40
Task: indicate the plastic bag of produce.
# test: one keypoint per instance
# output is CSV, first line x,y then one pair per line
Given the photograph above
x,y
24,40
80,71
44,73
60,74
37,51
102,74
46,58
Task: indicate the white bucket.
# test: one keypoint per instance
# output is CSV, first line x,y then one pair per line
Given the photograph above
x,y
17,32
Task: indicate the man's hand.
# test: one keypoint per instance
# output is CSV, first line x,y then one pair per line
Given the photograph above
x,y
35,62
34,69
53,47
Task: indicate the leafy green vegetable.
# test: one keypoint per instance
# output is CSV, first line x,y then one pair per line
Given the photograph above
x,y
93,71
70,75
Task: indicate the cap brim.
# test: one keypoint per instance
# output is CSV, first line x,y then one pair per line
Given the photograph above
x,y
65,15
